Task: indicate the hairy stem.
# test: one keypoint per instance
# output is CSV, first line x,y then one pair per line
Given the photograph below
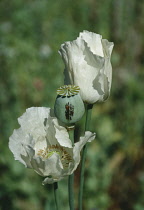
x,y
71,177
56,196
87,125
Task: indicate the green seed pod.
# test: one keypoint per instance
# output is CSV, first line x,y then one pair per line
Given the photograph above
x,y
69,107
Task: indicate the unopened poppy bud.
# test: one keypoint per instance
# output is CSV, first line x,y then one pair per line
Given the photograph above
x,y
69,107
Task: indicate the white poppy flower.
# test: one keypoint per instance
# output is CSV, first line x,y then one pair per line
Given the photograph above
x,y
43,145
87,64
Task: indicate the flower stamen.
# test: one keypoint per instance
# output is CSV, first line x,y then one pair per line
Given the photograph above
x,y
55,149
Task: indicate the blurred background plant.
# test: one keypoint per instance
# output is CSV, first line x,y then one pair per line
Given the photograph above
x,y
31,70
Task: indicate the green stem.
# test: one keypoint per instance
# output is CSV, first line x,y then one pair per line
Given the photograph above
x,y
71,177
55,185
70,190
87,125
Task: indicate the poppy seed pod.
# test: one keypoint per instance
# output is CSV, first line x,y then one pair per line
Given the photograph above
x,y
69,107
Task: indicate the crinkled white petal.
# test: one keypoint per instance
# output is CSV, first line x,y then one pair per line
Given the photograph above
x,y
108,47
88,137
87,64
50,180
62,135
29,153
91,38
83,67
32,121
40,143
38,165
15,144
50,132
56,134
53,166
53,169
107,78
49,167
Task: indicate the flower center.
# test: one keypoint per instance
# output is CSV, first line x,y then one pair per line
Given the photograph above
x,y
68,90
55,149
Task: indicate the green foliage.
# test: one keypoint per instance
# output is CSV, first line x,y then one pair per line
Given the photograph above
x,y
31,70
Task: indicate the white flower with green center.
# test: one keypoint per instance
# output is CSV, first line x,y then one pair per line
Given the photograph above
x,y
42,144
87,64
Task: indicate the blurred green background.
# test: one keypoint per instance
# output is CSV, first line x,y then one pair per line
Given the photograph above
x,y
31,32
